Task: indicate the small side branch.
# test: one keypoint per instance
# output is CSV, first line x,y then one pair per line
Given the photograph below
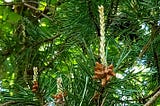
x,y
156,60
153,99
34,8
8,103
25,3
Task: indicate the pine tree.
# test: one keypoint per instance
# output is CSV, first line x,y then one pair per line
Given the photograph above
x,y
74,53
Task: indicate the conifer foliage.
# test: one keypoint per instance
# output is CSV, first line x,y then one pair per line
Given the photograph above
x,y
79,52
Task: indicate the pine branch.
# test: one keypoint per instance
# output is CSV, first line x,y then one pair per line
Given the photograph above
x,y
144,99
154,32
7,52
34,8
8,103
46,40
156,59
25,3
153,98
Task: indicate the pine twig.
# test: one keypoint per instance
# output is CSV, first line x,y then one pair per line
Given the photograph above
x,y
156,60
8,103
34,8
25,3
154,32
153,99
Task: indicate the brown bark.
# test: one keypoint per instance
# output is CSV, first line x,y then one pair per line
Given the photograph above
x,y
153,99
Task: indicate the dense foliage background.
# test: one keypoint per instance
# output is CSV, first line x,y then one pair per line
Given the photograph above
x,y
61,39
